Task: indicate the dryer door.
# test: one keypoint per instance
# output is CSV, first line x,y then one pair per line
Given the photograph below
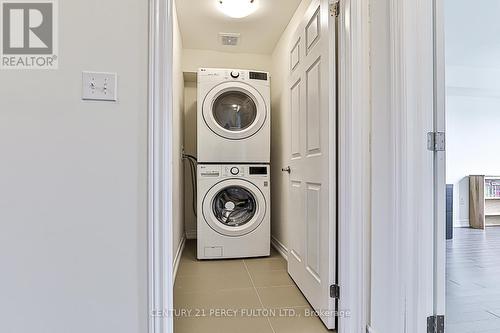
x,y
234,110
234,207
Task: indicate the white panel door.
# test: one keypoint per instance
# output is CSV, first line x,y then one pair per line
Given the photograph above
x,y
312,244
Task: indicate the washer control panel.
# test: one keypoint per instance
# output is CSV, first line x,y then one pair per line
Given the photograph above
x,y
209,171
231,171
234,170
245,171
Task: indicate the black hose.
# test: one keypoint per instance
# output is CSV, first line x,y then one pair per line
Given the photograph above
x,y
190,156
192,168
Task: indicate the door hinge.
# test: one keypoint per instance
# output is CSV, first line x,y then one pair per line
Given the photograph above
x,y
335,291
435,324
335,8
436,141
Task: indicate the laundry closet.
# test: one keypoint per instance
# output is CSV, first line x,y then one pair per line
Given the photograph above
x,y
252,110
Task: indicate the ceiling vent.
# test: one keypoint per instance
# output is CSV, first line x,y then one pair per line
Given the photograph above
x,y
229,39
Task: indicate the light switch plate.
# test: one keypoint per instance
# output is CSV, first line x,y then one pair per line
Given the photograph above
x,y
99,86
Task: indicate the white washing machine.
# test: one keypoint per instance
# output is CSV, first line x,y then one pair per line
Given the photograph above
x,y
233,211
234,116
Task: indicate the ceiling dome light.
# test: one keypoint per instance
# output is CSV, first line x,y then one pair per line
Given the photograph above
x,y
237,8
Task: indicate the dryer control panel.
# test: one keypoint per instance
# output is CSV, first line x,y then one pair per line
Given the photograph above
x,y
215,74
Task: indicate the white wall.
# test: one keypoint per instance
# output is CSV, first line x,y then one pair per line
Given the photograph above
x,y
178,137
280,122
194,59
473,97
73,176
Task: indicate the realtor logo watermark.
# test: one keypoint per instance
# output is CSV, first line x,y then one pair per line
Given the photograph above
x,y
29,34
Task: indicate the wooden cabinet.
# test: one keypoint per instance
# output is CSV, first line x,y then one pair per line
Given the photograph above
x,y
484,201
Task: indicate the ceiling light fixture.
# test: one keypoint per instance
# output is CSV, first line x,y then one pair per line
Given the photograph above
x,y
237,8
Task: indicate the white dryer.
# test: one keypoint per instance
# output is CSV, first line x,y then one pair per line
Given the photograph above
x,y
234,116
233,211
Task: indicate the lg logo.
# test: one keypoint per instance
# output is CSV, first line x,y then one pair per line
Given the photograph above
x,y
28,28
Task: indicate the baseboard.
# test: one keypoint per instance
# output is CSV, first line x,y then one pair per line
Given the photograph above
x,y
178,255
279,247
461,223
191,234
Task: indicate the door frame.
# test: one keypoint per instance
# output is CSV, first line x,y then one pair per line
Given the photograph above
x,y
405,270
439,161
160,156
354,166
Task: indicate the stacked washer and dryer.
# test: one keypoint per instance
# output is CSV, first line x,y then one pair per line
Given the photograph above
x,y
233,179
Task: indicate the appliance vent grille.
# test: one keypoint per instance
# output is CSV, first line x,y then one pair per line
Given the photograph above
x,y
229,39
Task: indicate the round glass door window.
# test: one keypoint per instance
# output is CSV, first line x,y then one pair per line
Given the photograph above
x,y
234,111
234,206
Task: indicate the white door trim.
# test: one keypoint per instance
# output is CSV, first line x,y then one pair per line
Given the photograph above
x,y
354,178
439,161
160,235
403,222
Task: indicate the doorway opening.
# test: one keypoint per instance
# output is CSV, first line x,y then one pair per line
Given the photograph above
x,y
254,238
473,167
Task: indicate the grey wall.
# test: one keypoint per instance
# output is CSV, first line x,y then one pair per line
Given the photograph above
x,y
73,228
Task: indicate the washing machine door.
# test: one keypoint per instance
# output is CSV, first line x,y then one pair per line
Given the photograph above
x,y
234,207
234,110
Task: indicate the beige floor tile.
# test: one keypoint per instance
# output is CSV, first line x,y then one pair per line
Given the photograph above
x,y
221,299
271,278
229,280
276,297
210,267
207,288
222,325
267,264
273,255
299,321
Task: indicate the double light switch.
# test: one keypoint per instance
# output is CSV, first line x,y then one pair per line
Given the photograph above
x,y
99,86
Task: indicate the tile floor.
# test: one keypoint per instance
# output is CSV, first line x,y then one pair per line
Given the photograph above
x,y
473,281
257,296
